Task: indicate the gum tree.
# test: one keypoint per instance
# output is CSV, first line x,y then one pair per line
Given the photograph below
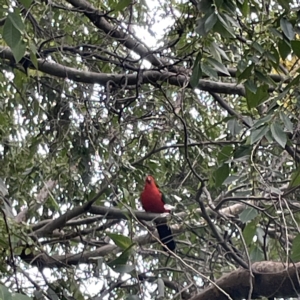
x,y
203,95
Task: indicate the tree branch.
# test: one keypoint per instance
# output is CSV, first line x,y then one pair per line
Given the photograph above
x,y
146,76
271,279
100,22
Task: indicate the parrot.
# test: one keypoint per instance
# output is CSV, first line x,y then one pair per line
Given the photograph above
x,y
153,201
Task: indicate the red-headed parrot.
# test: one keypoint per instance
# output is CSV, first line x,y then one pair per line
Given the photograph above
x,y
153,201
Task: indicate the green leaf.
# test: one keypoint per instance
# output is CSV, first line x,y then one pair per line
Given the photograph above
x,y
213,49
234,127
28,251
217,52
242,151
204,5
284,49
287,122
249,232
26,3
125,194
269,137
261,236
33,59
276,32
254,99
121,5
210,22
295,178
122,259
246,73
258,47
133,297
51,294
225,31
11,34
230,179
197,73
258,134
248,214
19,296
278,134
200,28
226,25
245,8
262,94
287,28
256,253
19,51
121,241
295,252
3,242
16,20
160,289
221,174
262,121
287,89
209,71
4,293
264,78
273,55
166,199
296,47
123,269
120,263
218,66
251,86
225,153
219,3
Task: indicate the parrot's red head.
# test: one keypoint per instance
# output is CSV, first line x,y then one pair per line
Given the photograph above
x,y
149,180
150,183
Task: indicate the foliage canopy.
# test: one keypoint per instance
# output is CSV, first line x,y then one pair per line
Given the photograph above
x,y
94,96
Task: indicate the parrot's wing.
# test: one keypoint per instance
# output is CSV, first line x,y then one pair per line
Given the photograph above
x,y
164,198
166,201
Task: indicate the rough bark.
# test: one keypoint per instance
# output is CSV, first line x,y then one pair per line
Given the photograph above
x,y
266,279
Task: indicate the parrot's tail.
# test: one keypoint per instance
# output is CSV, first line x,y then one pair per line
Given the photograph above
x,y
166,236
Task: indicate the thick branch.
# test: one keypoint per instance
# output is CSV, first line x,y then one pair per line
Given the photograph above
x,y
98,19
106,212
43,260
100,22
151,77
115,213
271,279
230,110
70,214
